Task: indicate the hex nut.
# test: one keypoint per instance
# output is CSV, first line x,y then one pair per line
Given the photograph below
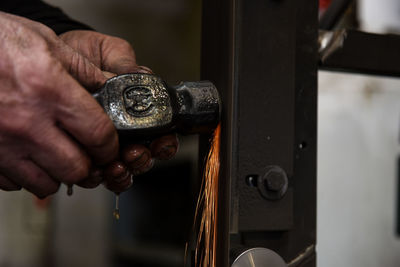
x,y
273,184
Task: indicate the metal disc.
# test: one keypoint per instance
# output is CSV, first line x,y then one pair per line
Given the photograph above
x,y
259,257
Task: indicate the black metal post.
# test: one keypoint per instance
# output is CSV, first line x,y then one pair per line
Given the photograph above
x,y
262,55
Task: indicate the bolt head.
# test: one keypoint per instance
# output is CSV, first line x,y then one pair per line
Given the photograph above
x,y
274,181
274,184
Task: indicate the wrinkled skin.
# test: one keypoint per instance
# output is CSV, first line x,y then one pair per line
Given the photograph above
x,y
116,56
52,130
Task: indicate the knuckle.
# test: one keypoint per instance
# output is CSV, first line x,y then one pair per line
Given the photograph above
x,y
32,38
76,64
77,172
39,77
47,32
123,44
87,73
36,27
21,125
52,189
74,166
103,133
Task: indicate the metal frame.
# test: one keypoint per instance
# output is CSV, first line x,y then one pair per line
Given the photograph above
x,y
262,55
360,52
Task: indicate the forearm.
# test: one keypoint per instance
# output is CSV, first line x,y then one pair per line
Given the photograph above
x,y
37,10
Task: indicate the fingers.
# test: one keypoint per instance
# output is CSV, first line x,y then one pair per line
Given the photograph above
x,y
61,157
165,148
109,53
109,75
27,174
138,158
82,117
117,177
95,178
82,69
7,185
118,56
143,69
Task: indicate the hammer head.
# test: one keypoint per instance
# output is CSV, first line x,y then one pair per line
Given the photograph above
x,y
140,103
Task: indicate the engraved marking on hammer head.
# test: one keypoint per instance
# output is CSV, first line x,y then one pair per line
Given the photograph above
x,y
139,101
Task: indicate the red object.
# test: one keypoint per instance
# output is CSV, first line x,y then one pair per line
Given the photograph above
x,y
323,4
42,203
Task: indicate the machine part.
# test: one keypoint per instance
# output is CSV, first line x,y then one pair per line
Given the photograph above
x,y
274,184
259,257
333,14
329,42
141,104
350,51
303,257
266,73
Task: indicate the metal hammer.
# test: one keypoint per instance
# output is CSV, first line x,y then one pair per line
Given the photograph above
x,y
143,104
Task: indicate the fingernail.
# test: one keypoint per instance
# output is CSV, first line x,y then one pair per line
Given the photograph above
x,y
140,161
144,168
109,75
143,69
121,178
132,153
115,170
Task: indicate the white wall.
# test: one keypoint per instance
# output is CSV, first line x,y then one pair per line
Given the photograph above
x,y
358,131
359,121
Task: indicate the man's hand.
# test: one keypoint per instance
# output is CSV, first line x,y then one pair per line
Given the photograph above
x,y
115,55
108,53
51,129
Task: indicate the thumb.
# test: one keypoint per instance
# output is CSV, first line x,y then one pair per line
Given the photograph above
x,y
81,68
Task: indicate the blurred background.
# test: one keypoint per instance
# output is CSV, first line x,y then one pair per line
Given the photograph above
x,y
358,155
